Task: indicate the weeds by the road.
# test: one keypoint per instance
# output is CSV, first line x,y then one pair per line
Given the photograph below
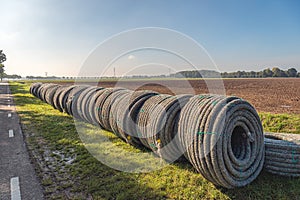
x,y
68,171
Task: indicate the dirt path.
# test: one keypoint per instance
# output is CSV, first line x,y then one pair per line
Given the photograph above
x,y
17,176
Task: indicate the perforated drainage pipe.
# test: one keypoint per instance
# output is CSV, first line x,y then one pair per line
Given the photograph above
x,y
102,106
224,139
50,94
163,127
56,97
34,87
73,101
93,108
125,112
282,154
145,116
63,97
86,102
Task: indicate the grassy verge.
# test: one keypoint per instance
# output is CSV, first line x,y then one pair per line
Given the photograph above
x,y
281,123
68,171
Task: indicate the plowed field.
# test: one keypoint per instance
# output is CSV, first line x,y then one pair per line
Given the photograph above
x,y
274,95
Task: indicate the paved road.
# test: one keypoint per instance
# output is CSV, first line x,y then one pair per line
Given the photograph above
x,y
17,176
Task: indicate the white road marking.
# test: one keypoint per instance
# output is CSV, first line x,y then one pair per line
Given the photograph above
x,y
9,115
11,133
8,105
15,189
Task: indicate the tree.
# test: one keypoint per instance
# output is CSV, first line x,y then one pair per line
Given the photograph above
x,y
259,74
1,71
2,57
278,72
240,74
252,74
292,72
267,73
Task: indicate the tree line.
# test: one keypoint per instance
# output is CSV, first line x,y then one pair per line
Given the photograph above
x,y
274,72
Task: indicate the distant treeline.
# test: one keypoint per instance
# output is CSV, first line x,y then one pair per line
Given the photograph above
x,y
64,77
274,72
14,76
43,77
196,74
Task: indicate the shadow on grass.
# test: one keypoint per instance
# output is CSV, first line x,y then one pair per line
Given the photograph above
x,y
89,176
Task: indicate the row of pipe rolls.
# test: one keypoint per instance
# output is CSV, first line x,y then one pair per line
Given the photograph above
x,y
222,137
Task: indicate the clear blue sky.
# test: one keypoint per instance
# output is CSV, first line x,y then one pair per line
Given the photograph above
x,y
56,36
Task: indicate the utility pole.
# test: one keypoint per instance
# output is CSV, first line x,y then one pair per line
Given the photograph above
x,y
114,72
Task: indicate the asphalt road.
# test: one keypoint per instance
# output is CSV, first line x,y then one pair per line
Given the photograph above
x,y
17,176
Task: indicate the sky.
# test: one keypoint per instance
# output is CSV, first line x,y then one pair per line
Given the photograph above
x,y
58,36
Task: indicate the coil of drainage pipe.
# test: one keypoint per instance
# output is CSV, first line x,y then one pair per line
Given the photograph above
x,y
163,128
82,101
44,90
40,92
123,123
117,113
86,101
130,125
72,102
63,97
282,154
35,90
56,97
145,116
223,138
92,107
50,93
99,108
34,87
108,103
127,120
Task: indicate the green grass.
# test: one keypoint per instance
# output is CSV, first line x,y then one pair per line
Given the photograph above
x,y
51,138
281,123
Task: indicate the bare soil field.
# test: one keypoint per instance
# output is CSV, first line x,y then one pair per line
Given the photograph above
x,y
274,95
